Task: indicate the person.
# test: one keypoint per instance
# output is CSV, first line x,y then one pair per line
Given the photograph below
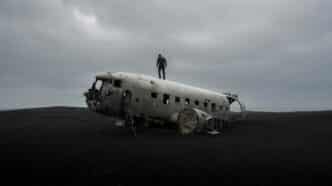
x,y
161,65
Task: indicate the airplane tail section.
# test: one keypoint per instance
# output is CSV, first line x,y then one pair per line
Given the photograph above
x,y
234,98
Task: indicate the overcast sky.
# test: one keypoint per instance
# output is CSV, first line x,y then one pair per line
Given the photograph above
x,y
276,54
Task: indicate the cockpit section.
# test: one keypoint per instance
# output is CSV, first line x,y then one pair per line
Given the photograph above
x,y
94,92
104,95
93,96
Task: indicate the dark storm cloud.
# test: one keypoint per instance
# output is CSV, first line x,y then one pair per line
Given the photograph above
x,y
275,54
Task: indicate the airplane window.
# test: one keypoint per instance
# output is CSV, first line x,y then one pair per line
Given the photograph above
x,y
154,95
117,83
197,102
166,99
205,104
187,101
213,107
177,99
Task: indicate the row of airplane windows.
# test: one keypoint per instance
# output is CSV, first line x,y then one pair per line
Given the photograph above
x,y
166,100
167,97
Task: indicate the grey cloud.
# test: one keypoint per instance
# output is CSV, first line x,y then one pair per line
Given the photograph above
x,y
275,54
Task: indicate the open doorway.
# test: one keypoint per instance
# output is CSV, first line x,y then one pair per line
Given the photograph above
x,y
126,100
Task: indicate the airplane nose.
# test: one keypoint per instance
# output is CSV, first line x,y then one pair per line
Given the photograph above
x,y
92,99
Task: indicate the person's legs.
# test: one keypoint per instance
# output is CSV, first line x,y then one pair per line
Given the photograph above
x,y
164,76
159,69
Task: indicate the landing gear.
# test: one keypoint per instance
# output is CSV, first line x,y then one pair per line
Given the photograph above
x,y
214,126
130,123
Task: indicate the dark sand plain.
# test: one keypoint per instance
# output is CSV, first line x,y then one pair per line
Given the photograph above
x,y
72,146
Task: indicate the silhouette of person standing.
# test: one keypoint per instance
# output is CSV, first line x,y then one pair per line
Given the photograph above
x,y
161,65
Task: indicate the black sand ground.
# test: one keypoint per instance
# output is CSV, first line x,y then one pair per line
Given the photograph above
x,y
66,146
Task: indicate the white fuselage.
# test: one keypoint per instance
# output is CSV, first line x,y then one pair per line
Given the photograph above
x,y
150,97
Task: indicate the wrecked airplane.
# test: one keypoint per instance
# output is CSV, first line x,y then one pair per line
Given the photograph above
x,y
139,99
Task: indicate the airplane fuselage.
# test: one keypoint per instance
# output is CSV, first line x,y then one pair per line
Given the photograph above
x,y
147,97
